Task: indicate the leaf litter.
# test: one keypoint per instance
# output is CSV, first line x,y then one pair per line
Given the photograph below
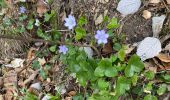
x,y
149,46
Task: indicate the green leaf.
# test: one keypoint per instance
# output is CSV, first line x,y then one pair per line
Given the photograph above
x,y
52,48
80,33
36,64
121,55
162,89
78,97
82,78
149,75
117,46
99,71
47,16
150,97
166,78
134,80
102,84
43,74
148,88
122,85
111,72
22,17
113,23
43,35
82,20
134,65
113,58
30,24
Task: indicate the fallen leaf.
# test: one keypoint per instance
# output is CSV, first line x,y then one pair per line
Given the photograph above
x,y
149,48
150,66
155,1
42,7
126,7
147,14
157,23
168,1
31,54
103,1
167,47
129,49
99,19
10,82
1,82
72,93
108,48
42,61
164,57
17,62
32,77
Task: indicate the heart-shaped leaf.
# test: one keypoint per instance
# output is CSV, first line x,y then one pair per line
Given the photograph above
x,y
134,65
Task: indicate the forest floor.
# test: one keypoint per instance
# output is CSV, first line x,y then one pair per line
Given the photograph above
x,y
31,66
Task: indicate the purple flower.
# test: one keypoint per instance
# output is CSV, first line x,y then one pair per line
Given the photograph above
x,y
101,37
22,9
63,49
70,22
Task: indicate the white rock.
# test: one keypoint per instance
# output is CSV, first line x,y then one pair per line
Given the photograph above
x,y
36,86
126,7
46,97
157,23
149,48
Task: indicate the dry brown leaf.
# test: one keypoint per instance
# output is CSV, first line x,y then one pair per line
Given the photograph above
x,y
99,19
150,66
167,47
42,61
164,57
147,14
32,77
129,49
9,3
107,48
72,93
10,81
155,1
42,7
168,1
1,82
31,54
1,97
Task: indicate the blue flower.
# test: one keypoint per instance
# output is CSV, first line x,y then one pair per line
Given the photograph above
x,y
22,9
63,49
101,37
70,22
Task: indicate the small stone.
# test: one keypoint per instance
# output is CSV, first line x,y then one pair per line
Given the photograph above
x,y
147,14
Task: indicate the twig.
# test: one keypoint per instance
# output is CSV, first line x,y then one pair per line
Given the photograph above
x,y
49,42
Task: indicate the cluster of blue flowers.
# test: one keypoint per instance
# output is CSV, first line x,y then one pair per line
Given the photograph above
x,y
70,22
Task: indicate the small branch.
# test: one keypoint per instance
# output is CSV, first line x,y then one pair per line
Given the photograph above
x,y
49,42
